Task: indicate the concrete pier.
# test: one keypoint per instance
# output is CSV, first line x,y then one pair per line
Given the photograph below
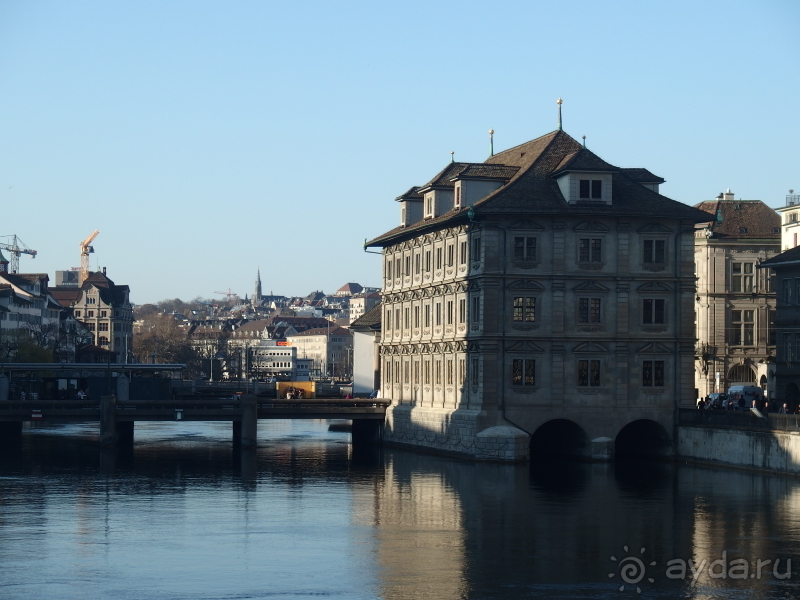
x,y
366,431
249,424
108,421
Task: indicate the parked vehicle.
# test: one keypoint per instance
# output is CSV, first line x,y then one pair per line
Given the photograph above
x,y
748,393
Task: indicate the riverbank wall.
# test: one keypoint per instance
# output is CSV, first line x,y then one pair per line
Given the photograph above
x,y
455,432
768,450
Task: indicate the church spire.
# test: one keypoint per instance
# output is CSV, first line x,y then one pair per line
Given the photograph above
x,y
257,294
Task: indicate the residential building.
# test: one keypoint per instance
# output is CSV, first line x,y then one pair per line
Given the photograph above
x,y
105,308
544,293
366,332
786,268
362,304
735,303
790,221
329,348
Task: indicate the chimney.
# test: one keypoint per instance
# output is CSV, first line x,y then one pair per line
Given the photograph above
x,y
728,195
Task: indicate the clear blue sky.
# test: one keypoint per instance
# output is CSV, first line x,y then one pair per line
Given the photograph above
x,y
205,139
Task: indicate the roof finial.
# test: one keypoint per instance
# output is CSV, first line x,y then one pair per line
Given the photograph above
x,y
559,102
452,160
491,142
584,141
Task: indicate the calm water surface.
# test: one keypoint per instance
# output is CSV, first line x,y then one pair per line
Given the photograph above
x,y
184,517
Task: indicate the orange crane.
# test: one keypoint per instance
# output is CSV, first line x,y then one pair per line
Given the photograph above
x,y
86,249
229,294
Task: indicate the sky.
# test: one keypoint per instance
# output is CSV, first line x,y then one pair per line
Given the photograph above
x,y
206,140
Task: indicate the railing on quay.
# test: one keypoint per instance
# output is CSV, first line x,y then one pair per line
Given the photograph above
x,y
730,419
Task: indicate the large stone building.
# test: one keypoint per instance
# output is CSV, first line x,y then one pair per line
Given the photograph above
x,y
105,309
543,293
786,267
790,221
735,305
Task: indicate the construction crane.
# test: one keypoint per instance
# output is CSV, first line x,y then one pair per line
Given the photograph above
x,y
229,294
86,250
15,248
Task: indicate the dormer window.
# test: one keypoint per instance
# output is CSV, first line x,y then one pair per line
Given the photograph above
x,y
591,189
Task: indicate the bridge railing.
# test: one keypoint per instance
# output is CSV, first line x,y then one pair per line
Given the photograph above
x,y
733,419
781,422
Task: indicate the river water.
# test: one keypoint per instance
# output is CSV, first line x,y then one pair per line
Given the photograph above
x,y
184,517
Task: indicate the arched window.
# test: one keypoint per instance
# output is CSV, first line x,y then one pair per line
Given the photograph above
x,y
102,341
741,374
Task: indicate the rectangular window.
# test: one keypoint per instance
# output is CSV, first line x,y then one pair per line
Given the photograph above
x,y
407,272
653,311
438,313
476,309
450,255
406,369
438,258
653,373
524,248
590,189
787,291
523,372
427,261
524,309
397,323
742,328
462,371
474,371
773,336
397,372
476,249
407,318
427,315
462,310
795,352
589,373
589,250
654,251
416,372
449,312
588,310
397,273
416,317
437,372
449,372
463,253
389,320
427,372
742,277
416,263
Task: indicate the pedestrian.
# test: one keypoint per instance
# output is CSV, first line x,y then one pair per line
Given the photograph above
x,y
783,409
701,404
766,405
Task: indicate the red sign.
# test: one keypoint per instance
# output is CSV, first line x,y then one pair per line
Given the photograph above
x,y
284,343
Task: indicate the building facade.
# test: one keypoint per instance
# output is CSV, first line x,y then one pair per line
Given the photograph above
x,y
786,269
790,221
541,295
735,302
329,349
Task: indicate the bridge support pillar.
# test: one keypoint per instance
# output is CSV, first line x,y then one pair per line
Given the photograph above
x,y
237,434
367,431
602,449
5,387
249,424
125,433
10,432
108,421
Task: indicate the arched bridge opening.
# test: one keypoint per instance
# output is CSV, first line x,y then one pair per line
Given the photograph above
x,y
643,438
560,437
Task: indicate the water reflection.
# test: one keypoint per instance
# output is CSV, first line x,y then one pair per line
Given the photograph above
x,y
308,515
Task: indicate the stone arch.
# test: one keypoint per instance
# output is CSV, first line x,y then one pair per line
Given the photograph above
x,y
561,437
741,374
763,383
643,438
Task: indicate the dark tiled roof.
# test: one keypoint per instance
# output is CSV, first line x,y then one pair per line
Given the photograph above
x,y
300,323
65,296
369,320
445,177
792,255
411,194
583,160
533,190
485,171
642,175
752,219
110,293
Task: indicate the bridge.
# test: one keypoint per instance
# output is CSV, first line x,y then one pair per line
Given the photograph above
x,y
120,395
